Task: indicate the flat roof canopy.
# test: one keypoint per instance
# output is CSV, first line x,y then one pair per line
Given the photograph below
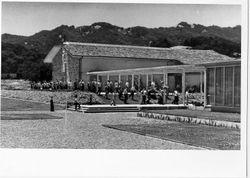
x,y
154,70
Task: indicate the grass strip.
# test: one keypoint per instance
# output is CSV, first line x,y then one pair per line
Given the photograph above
x,y
199,136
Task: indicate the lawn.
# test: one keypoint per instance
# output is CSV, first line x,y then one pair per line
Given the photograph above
x,y
232,117
20,105
195,135
28,117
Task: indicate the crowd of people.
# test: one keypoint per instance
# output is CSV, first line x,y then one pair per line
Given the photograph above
x,y
112,90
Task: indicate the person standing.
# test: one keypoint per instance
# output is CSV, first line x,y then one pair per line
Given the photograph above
x,y
113,99
52,109
132,92
76,103
99,87
176,97
144,96
125,93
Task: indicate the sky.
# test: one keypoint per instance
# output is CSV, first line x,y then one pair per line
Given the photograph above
x,y
28,18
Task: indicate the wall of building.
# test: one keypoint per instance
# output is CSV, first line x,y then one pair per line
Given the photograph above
x,y
90,64
74,69
57,73
223,88
73,66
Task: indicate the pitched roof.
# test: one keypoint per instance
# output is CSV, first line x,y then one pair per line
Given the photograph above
x,y
52,54
185,56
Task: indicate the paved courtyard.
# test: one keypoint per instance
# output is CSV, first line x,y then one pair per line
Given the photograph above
x,y
79,131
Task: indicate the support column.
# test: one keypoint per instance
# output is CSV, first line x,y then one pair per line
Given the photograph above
x,y
205,88
233,86
166,78
139,81
164,84
119,78
146,81
183,85
80,69
201,77
133,80
107,76
97,77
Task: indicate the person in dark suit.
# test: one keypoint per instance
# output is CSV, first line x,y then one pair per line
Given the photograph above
x,y
76,103
125,93
52,109
176,97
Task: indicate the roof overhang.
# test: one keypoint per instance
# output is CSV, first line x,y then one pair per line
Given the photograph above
x,y
155,70
221,63
50,56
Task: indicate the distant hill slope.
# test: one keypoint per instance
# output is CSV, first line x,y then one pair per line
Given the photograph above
x,y
107,33
17,50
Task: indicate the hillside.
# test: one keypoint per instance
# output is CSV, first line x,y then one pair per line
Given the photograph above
x,y
106,33
226,40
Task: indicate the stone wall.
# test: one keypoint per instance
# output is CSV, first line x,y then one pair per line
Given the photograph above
x,y
57,73
73,66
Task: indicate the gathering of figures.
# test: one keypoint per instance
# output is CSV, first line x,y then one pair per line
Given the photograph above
x,y
115,90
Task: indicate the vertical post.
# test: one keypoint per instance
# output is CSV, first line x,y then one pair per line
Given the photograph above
x,y
223,85
201,78
146,81
133,80
233,86
119,77
205,88
166,78
215,86
139,81
183,85
107,76
80,69
97,77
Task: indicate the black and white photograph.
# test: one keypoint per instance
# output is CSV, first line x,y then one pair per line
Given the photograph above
x,y
123,76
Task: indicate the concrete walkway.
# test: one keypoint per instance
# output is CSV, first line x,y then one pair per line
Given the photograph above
x,y
80,131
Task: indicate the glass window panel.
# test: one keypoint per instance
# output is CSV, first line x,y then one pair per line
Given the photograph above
x,y
193,81
210,86
92,77
150,79
113,78
142,82
130,80
158,79
103,80
136,84
229,86
123,80
219,86
237,86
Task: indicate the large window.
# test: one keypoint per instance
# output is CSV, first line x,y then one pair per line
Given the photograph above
x,y
228,86
219,86
223,86
124,79
158,79
113,78
210,86
142,82
237,86
136,82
